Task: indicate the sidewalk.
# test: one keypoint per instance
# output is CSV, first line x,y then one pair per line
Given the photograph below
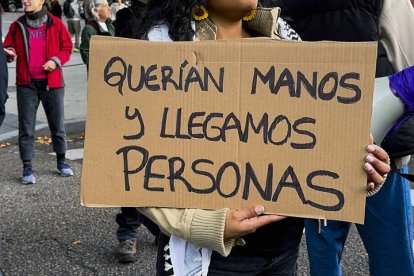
x,y
75,100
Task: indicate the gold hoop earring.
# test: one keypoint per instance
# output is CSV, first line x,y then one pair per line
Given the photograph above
x,y
200,13
250,16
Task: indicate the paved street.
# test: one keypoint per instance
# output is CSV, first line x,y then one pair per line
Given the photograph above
x,y
45,229
47,232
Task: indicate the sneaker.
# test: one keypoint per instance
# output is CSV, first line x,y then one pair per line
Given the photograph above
x,y
28,177
64,169
127,250
76,50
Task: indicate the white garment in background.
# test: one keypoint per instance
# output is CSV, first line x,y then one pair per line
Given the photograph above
x,y
115,7
103,26
75,7
396,25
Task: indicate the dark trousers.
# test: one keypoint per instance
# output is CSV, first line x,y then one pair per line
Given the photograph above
x,y
281,265
74,28
128,222
3,82
28,99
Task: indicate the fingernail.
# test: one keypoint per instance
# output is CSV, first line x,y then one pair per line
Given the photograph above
x,y
371,148
368,167
259,210
370,158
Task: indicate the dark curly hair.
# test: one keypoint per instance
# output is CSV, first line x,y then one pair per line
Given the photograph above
x,y
270,3
128,19
177,14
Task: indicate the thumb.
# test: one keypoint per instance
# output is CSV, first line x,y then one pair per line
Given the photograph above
x,y
250,212
371,139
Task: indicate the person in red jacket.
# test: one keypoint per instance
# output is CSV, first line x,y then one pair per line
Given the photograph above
x,y
41,44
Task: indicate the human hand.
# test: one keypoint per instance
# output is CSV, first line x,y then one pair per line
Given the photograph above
x,y
10,54
246,221
49,66
376,165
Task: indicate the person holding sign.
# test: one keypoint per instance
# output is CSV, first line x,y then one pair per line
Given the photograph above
x,y
271,242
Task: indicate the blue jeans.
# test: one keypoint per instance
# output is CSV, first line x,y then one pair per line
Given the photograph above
x,y
386,234
28,99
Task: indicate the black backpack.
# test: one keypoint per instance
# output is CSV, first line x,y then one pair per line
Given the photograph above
x,y
400,141
67,10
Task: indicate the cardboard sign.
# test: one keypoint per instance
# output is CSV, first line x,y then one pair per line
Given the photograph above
x,y
229,124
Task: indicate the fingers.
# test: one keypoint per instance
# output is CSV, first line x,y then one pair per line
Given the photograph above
x,y
250,212
370,186
379,152
377,164
48,68
373,175
382,167
252,217
260,221
8,52
254,212
246,221
371,139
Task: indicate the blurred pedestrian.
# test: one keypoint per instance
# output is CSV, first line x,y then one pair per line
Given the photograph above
x,y
71,10
388,213
101,25
87,9
116,6
3,76
127,23
55,8
39,78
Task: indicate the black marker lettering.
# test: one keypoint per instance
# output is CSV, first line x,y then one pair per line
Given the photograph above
x,y
125,151
338,194
137,115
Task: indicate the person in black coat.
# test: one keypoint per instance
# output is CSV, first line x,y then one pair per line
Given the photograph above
x,y
340,20
3,78
388,214
129,17
126,23
55,8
